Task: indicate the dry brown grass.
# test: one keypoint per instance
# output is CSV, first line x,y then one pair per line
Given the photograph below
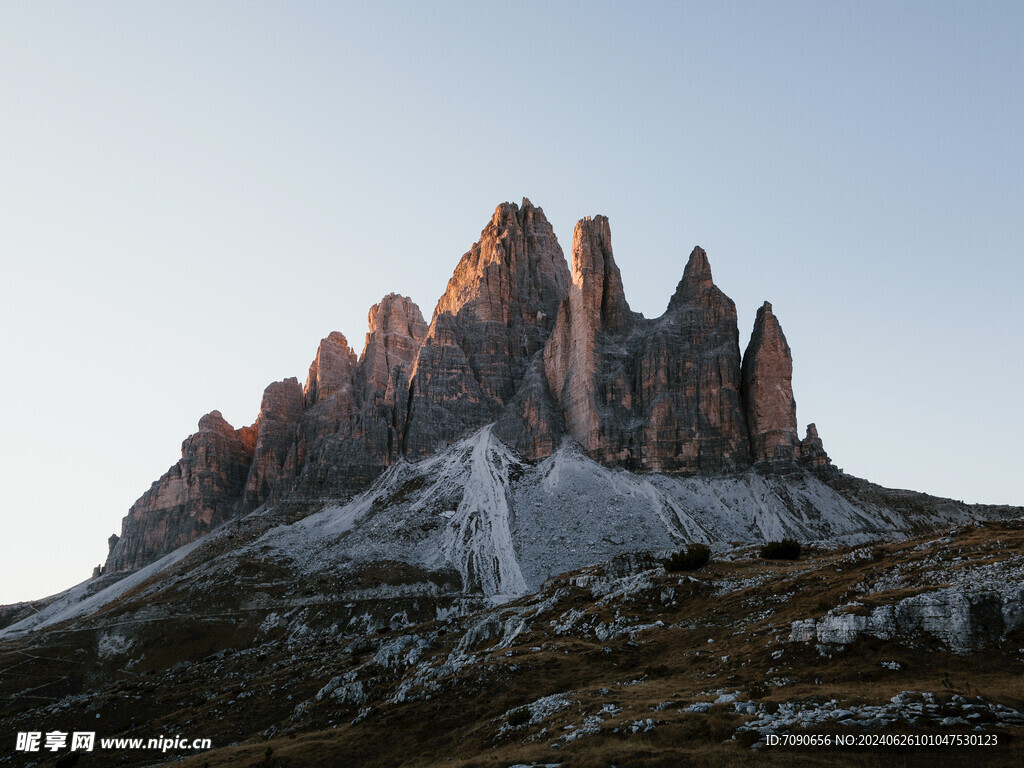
x,y
459,724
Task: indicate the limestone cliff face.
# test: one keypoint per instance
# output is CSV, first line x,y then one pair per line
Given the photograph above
x,y
768,392
590,380
331,373
516,342
332,437
275,427
689,369
654,395
195,495
347,439
396,331
329,399
496,313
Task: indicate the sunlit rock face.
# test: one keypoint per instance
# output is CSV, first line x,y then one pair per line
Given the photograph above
x,y
689,375
195,495
589,370
496,312
516,342
345,440
331,373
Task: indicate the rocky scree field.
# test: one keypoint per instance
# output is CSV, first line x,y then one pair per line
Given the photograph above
x,y
614,664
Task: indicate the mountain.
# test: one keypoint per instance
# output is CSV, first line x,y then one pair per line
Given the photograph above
x,y
451,548
515,342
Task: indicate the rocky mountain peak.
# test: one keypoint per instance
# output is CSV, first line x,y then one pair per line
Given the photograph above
x,y
518,342
395,314
214,422
194,496
695,281
331,370
596,275
496,312
396,331
280,410
812,450
768,391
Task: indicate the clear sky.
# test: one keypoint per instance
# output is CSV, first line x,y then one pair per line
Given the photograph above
x,y
193,194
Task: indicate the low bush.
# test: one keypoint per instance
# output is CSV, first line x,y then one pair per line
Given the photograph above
x,y
787,549
519,717
689,559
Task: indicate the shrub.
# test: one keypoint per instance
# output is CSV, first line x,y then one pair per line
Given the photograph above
x,y
519,717
689,559
787,549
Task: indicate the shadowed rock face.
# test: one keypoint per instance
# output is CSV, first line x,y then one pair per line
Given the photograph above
x,y
689,371
497,311
195,495
275,439
514,342
590,380
768,392
346,440
658,395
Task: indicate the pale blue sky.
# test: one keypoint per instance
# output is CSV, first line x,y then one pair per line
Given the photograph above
x,y
193,194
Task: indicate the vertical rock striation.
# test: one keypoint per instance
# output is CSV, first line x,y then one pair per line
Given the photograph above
x,y
768,392
516,342
347,439
588,372
496,312
275,427
194,496
654,395
330,375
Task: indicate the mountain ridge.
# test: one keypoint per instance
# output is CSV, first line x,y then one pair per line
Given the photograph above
x,y
518,344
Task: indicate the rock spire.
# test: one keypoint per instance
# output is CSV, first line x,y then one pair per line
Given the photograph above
x,y
768,391
518,342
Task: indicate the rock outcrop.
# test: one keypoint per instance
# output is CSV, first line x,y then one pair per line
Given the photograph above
x,y
497,312
591,381
275,428
331,373
347,439
655,395
195,495
812,450
689,373
962,620
768,392
516,342
396,331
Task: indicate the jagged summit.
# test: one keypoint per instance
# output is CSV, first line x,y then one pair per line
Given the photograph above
x,y
596,276
214,421
516,341
496,312
331,370
695,280
467,502
768,391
